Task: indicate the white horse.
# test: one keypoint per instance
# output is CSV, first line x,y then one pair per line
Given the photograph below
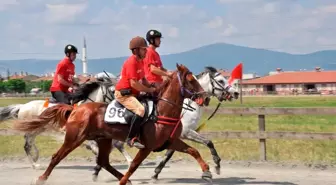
x,y
100,91
216,85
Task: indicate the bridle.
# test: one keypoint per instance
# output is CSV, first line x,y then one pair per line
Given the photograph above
x,y
183,90
224,90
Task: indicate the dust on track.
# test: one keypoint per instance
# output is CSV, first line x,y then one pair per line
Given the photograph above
x,y
13,172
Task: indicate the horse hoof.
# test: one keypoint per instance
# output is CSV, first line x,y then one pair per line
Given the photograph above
x,y
94,178
207,176
37,181
218,170
155,177
38,167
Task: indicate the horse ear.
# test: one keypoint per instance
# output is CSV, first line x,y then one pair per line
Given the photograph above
x,y
178,66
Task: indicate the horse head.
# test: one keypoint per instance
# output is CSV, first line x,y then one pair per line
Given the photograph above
x,y
215,84
188,86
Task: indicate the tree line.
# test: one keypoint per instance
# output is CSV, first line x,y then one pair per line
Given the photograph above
x,y
20,86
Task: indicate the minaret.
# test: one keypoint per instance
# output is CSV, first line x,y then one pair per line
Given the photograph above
x,y
84,59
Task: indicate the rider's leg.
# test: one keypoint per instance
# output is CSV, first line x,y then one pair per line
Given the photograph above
x,y
61,97
131,103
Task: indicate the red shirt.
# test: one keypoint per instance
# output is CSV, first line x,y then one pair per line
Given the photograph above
x,y
152,58
65,68
131,69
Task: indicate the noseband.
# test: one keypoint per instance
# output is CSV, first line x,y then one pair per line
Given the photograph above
x,y
182,92
224,90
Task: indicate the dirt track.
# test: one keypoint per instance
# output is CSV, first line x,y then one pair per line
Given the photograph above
x,y
179,173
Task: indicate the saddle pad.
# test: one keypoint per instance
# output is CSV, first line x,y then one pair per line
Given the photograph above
x,y
115,114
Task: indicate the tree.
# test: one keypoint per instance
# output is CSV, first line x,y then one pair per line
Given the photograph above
x,y
45,85
15,85
2,86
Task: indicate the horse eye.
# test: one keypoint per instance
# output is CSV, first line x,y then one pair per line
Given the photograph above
x,y
221,81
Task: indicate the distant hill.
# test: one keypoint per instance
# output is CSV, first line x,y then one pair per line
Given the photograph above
x,y
219,55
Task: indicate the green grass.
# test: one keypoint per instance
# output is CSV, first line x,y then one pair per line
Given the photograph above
x,y
11,101
277,101
232,149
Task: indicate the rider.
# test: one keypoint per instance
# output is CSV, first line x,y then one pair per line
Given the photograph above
x,y
128,87
64,74
152,63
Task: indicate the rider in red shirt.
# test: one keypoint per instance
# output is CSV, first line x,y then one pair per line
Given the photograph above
x,y
64,74
154,69
132,81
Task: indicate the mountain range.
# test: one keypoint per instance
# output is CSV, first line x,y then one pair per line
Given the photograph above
x,y
219,55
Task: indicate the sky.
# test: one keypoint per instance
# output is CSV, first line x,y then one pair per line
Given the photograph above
x,y
41,28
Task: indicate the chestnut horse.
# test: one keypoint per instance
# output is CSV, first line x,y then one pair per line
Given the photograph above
x,y
160,130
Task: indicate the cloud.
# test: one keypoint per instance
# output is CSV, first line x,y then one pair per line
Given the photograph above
x,y
4,4
64,13
173,32
237,1
326,9
230,30
215,23
45,26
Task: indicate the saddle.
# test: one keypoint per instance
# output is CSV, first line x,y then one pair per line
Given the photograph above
x,y
52,100
116,113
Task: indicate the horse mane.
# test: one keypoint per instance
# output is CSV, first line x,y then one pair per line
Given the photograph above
x,y
163,86
85,90
208,69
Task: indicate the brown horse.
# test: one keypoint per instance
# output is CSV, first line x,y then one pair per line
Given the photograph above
x,y
159,132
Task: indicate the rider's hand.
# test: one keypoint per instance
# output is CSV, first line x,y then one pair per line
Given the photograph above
x,y
152,89
170,74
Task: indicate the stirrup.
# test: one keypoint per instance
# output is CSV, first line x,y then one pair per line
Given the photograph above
x,y
135,143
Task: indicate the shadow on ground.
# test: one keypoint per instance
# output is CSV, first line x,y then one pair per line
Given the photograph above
x,y
217,181
89,168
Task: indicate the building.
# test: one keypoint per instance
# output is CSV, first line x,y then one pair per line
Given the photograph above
x,y
23,76
298,82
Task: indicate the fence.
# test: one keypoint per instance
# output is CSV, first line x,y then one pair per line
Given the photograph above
x,y
262,135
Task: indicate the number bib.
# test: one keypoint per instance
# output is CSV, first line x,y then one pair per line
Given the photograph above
x,y
115,113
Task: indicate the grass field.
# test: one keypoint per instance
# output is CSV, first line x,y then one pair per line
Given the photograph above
x,y
234,149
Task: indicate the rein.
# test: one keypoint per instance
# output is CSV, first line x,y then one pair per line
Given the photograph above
x,y
176,121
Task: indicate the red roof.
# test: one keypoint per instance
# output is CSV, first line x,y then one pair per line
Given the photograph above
x,y
298,77
224,73
44,78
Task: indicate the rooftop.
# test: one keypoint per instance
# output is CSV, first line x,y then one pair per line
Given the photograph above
x,y
298,77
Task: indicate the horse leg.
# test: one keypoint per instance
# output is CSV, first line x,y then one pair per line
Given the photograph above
x,y
162,164
71,142
32,155
104,148
141,155
196,137
91,145
120,146
97,168
181,146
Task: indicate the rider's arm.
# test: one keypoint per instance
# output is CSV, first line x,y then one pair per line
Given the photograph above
x,y
158,71
62,81
145,82
138,86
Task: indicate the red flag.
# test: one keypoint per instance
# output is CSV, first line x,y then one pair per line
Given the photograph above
x,y
237,73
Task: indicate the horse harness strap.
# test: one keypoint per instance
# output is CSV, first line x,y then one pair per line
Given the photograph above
x,y
170,121
167,120
212,80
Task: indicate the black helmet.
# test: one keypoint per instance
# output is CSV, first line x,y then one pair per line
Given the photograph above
x,y
70,48
152,34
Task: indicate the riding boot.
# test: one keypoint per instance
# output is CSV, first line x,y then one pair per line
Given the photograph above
x,y
132,139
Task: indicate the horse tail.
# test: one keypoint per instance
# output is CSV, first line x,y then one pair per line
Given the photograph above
x,y
9,112
55,117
